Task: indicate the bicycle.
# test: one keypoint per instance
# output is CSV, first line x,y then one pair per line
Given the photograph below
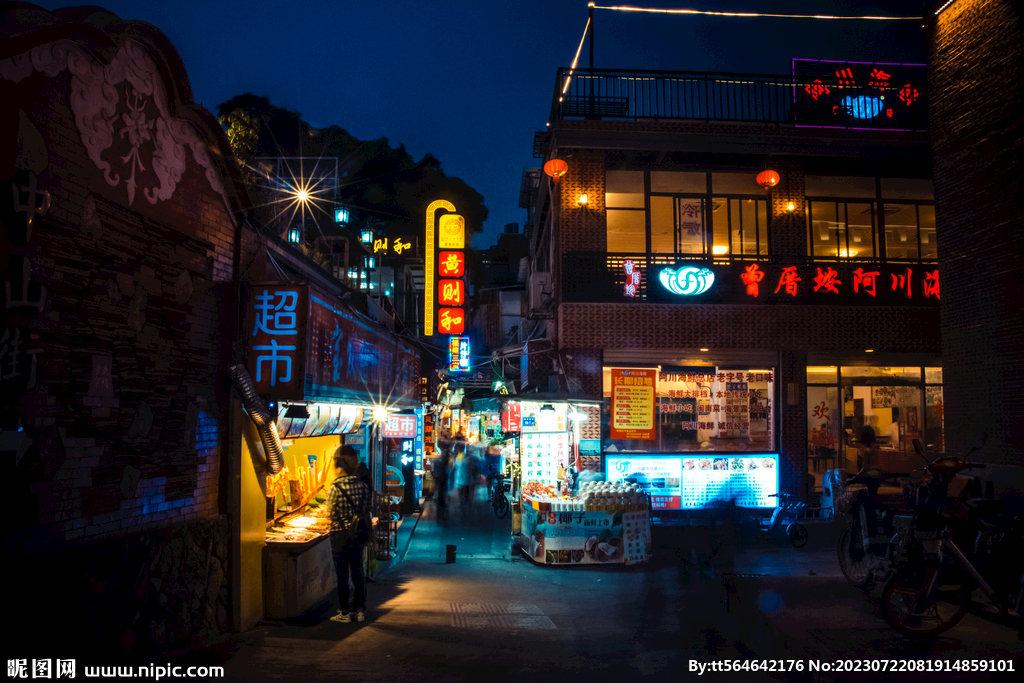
x,y
499,501
929,597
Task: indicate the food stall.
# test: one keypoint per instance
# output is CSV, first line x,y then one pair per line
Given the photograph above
x,y
564,521
299,570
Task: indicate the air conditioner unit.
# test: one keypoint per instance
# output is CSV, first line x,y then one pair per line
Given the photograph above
x,y
540,289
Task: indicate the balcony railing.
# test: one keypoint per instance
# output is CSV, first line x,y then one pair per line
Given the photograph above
x,y
620,94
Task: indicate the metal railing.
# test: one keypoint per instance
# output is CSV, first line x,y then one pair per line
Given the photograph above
x,y
634,95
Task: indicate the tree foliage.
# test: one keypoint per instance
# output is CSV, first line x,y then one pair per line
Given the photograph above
x,y
379,183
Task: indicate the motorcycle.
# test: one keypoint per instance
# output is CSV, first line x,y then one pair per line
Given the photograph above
x,y
879,541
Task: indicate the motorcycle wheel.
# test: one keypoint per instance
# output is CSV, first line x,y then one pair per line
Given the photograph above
x,y
501,506
856,571
905,605
797,533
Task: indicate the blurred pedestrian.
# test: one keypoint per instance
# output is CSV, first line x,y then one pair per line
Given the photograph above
x,y
460,475
441,471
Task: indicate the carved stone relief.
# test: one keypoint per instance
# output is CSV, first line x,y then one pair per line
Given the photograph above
x,y
123,100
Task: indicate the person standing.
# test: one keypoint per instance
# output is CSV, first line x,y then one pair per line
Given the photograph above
x,y
348,497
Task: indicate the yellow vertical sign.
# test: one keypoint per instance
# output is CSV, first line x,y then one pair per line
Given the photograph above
x,y
452,232
429,265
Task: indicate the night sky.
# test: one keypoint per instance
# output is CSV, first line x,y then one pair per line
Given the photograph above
x,y
471,80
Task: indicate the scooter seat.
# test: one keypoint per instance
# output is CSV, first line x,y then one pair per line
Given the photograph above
x,y
891,498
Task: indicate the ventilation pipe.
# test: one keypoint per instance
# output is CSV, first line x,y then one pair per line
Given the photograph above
x,y
258,412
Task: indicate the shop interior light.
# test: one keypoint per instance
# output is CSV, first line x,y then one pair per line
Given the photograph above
x,y
294,411
718,250
577,415
547,408
869,350
380,413
704,350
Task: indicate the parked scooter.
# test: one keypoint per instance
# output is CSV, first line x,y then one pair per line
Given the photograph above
x,y
877,539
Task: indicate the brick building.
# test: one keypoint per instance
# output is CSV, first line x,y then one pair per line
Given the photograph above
x,y
780,321
120,260
976,113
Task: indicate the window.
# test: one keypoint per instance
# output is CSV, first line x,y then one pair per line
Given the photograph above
x,y
844,220
691,408
677,208
841,230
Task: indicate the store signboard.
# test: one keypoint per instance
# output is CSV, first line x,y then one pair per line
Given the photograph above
x,y
871,95
633,392
510,418
543,417
275,326
592,537
303,344
458,354
695,481
400,427
830,283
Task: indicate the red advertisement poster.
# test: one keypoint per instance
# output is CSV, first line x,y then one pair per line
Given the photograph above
x,y
633,392
510,418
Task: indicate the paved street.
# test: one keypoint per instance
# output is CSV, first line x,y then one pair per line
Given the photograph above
x,y
492,617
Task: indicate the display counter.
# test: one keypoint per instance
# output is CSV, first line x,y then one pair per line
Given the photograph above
x,y
298,567
604,524
299,575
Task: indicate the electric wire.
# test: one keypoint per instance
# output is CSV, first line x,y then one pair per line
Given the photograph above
x,y
745,15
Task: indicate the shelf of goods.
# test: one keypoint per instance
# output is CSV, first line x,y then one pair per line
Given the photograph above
x,y
299,571
606,523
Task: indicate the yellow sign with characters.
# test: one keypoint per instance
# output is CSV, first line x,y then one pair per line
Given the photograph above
x,y
453,232
397,246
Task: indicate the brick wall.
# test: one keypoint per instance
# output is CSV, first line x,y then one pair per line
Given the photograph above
x,y
975,86
118,329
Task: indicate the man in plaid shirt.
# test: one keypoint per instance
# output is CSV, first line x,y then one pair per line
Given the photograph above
x,y
348,496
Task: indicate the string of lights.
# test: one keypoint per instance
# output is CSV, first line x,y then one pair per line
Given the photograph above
x,y
655,10
576,59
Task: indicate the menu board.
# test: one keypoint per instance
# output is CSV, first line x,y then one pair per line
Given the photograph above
x,y
688,482
633,392
542,455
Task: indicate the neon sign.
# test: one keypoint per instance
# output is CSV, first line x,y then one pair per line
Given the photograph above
x,y
458,354
687,281
863,107
632,277
428,265
450,292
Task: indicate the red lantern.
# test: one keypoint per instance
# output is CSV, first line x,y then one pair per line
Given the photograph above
x,y
556,168
767,179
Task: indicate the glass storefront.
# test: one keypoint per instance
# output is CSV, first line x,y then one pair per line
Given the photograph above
x,y
862,415
678,409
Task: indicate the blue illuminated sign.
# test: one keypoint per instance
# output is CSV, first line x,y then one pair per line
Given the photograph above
x,y
687,281
863,107
458,354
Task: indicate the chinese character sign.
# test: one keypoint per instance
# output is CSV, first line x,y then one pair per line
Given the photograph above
x,y
276,336
451,321
451,264
400,427
633,392
632,277
458,354
451,292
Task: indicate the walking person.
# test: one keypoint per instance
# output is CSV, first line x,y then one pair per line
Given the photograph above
x,y
440,473
348,497
460,476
